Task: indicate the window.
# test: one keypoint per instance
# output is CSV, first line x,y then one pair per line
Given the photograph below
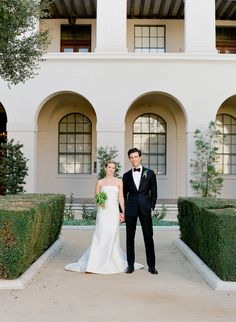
x,y
227,150
226,40
75,144
75,38
149,135
149,39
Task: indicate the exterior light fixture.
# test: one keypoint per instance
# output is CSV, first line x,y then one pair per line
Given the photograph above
x,y
72,19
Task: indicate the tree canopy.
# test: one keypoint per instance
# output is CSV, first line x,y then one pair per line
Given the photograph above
x,y
21,44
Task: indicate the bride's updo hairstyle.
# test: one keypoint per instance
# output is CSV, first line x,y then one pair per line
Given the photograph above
x,y
110,161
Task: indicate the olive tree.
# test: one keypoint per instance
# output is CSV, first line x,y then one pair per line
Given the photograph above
x,y
206,180
21,44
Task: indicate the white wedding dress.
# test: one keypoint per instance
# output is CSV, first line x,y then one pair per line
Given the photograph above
x,y
104,256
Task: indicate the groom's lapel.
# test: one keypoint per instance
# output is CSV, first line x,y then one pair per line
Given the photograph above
x,y
142,177
131,179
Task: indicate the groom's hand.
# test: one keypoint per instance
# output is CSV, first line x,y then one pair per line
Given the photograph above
x,y
122,218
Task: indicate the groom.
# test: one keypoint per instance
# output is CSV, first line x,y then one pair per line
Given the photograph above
x,y
140,194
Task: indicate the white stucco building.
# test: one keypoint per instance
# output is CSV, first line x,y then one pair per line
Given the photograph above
x,y
127,73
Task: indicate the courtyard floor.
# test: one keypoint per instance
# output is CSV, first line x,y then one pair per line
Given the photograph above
x,y
177,293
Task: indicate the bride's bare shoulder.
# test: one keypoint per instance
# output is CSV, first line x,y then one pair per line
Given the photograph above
x,y
100,182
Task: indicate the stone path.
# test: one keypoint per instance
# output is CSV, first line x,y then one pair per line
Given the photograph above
x,y
178,293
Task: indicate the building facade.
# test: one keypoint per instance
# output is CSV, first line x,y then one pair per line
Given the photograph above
x,y
127,73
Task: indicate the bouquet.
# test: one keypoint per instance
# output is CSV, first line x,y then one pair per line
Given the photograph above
x,y
100,198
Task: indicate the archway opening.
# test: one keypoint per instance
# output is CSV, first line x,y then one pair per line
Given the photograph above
x,y
156,123
66,143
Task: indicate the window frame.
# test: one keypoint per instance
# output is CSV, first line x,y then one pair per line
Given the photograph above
x,y
141,49
75,143
157,134
76,44
222,154
226,39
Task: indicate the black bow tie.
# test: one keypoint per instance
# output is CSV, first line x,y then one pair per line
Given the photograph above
x,y
138,169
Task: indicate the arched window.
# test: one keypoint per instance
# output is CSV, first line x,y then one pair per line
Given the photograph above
x,y
75,144
149,135
227,150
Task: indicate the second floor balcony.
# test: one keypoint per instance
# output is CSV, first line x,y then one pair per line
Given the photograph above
x,y
142,26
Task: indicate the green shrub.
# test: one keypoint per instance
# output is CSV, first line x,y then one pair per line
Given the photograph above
x,y
207,226
69,213
88,214
13,167
29,224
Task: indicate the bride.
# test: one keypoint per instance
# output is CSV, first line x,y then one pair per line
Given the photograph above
x,y
104,256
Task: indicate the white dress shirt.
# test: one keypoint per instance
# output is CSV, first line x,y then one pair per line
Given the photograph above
x,y
137,177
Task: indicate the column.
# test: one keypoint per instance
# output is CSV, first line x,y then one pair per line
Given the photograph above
x,y
26,135
111,26
199,26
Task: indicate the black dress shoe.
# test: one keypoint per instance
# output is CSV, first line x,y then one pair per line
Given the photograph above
x,y
129,269
152,270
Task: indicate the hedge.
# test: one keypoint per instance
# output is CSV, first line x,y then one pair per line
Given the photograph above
x,y
29,225
208,227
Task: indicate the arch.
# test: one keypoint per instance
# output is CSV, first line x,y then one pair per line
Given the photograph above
x,y
52,110
227,152
228,106
172,182
61,97
162,97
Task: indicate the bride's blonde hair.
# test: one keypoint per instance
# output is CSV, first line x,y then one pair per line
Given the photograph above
x,y
110,161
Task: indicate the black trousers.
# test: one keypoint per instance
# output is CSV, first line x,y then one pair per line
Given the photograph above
x,y
147,229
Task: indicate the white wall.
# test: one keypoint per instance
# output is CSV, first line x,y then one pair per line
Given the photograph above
x,y
112,85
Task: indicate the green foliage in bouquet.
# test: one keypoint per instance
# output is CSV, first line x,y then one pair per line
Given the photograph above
x,y
100,198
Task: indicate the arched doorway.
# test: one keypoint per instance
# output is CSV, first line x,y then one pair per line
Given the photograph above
x,y
155,123
226,164
66,145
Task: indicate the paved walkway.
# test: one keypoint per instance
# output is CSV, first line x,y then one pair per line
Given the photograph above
x,y
178,293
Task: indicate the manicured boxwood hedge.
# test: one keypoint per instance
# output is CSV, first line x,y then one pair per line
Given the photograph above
x,y
208,227
29,225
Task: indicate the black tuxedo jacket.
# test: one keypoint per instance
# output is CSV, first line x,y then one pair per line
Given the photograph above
x,y
144,199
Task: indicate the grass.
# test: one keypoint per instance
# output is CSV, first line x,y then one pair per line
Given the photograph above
x,y
91,222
